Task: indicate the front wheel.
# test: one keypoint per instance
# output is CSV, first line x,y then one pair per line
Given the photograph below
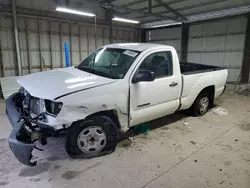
x,y
92,137
201,105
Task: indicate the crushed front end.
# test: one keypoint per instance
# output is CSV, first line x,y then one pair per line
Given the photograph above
x,y
28,116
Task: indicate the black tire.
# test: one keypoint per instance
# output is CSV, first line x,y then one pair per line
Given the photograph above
x,y
195,109
107,126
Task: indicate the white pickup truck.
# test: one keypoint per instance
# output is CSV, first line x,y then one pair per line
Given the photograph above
x,y
115,88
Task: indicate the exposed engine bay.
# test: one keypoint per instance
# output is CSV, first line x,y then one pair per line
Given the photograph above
x,y
28,115
32,113
36,108
29,123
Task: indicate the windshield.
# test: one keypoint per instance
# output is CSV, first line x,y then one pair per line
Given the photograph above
x,y
109,62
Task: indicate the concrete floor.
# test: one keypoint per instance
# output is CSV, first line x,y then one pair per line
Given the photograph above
x,y
209,151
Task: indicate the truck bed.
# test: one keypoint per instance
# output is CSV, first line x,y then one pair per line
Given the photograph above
x,y
195,68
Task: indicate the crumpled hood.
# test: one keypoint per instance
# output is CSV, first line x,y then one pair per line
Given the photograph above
x,y
59,82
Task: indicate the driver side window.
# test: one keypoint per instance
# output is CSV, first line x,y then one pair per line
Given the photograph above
x,y
160,63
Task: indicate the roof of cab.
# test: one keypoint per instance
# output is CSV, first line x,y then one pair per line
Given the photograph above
x,y
134,46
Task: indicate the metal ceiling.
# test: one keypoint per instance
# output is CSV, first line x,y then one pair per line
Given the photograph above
x,y
157,12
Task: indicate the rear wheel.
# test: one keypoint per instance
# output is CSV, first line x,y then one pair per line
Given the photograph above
x,y
201,105
92,137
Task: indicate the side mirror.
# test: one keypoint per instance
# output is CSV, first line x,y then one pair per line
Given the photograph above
x,y
143,76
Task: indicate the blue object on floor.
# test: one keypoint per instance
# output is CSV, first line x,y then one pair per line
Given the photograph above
x,y
142,128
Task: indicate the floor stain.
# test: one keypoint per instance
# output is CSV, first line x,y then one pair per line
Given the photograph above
x,y
56,167
227,163
3,183
125,143
52,158
183,129
33,171
165,128
70,175
73,174
222,182
245,126
193,142
37,179
2,152
2,139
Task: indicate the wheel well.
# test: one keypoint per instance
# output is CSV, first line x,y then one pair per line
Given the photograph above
x,y
210,90
112,114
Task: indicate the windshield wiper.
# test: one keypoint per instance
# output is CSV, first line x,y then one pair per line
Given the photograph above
x,y
101,73
86,69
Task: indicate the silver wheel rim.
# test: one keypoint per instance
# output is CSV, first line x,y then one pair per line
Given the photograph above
x,y
204,102
91,140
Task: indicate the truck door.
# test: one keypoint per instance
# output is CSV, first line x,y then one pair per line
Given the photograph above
x,y
153,99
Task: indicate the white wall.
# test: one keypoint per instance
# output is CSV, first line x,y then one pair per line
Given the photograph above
x,y
170,36
43,39
220,43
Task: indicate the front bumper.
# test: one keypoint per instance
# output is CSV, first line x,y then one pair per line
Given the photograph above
x,y
21,150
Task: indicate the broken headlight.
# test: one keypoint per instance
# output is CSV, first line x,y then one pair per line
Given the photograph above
x,y
53,107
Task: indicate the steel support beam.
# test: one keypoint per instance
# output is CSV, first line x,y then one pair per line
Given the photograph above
x,y
95,34
142,35
211,2
80,43
61,45
165,5
184,41
1,62
150,6
88,50
111,31
103,36
15,30
71,45
40,47
202,4
50,45
115,8
111,26
158,5
133,3
28,44
246,57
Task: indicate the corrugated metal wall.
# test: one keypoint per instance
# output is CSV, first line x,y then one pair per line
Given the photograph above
x,y
171,36
42,42
219,43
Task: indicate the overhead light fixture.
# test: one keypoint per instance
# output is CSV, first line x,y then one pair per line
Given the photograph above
x,y
72,11
125,20
165,25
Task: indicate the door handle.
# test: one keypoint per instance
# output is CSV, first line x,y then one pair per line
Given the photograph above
x,y
173,84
